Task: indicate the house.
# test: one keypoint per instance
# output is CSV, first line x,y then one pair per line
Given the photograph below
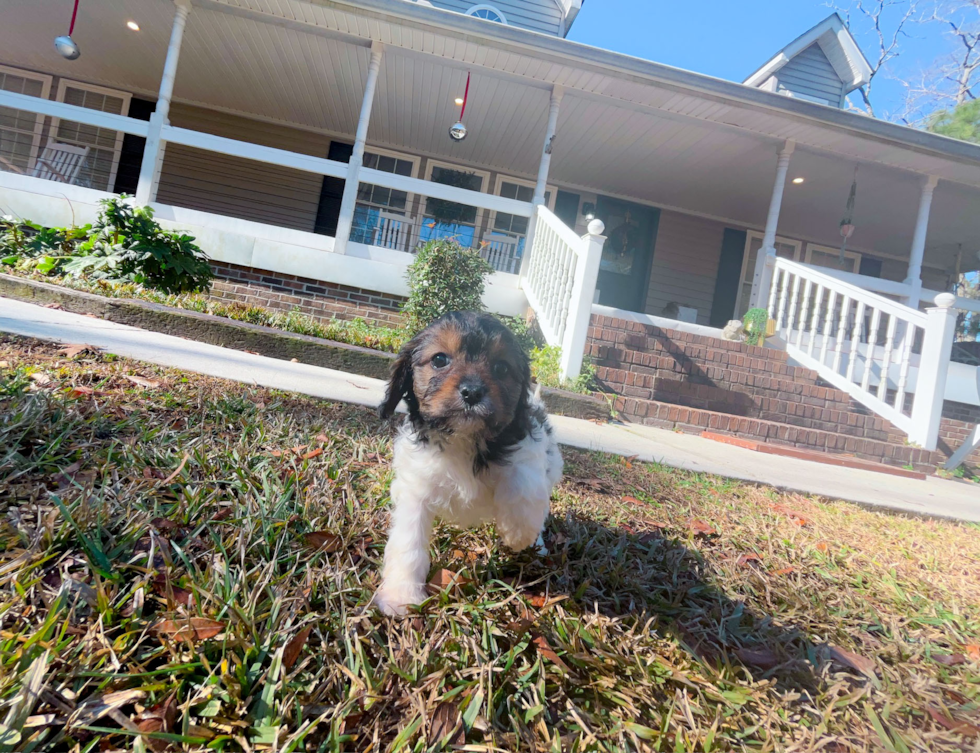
x,y
306,144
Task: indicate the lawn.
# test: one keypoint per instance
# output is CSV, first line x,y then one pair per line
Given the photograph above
x,y
188,563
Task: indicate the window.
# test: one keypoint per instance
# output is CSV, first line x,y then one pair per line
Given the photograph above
x,y
487,12
99,170
450,219
373,223
20,131
823,256
521,191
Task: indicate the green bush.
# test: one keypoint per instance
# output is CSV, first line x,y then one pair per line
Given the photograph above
x,y
125,245
754,323
546,368
128,244
443,277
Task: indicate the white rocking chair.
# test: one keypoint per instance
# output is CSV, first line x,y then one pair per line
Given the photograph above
x,y
501,251
393,231
58,162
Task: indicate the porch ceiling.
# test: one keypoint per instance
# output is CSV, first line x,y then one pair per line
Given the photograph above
x,y
304,64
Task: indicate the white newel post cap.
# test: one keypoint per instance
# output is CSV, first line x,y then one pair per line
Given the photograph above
x,y
945,300
597,227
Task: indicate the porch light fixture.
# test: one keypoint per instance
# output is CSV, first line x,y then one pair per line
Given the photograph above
x,y
588,210
457,131
65,45
132,25
797,181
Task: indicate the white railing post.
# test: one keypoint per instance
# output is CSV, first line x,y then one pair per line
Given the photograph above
x,y
146,187
345,220
580,305
930,387
766,258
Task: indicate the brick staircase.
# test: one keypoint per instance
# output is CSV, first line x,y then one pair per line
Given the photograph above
x,y
694,383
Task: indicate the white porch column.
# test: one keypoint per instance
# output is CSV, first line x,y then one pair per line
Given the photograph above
x,y
930,386
767,254
545,165
346,219
146,188
914,278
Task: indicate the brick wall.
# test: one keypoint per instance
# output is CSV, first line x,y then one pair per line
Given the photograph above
x,y
321,300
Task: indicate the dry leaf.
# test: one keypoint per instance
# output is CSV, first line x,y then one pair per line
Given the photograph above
x,y
760,657
162,524
444,579
323,541
973,651
83,390
446,723
176,473
633,500
538,600
700,528
541,643
784,571
949,660
853,661
163,586
94,709
191,628
519,627
55,306
222,514
41,379
143,381
748,558
291,653
159,718
313,453
822,546
70,351
966,729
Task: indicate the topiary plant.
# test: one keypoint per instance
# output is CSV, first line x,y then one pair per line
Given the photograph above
x,y
754,323
443,277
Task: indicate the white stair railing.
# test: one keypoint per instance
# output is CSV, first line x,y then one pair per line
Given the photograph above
x,y
867,345
558,277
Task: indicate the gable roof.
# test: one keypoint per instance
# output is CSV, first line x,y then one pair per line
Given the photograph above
x,y
837,44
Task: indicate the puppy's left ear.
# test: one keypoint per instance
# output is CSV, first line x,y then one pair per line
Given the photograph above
x,y
399,383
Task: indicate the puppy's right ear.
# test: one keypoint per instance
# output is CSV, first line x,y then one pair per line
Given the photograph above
x,y
400,383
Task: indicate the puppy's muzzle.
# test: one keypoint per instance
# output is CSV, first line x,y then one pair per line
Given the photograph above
x,y
472,391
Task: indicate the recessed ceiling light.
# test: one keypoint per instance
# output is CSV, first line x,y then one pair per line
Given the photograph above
x,y
459,100
133,25
797,180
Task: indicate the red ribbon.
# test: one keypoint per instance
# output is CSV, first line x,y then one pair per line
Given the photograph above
x,y
74,13
466,94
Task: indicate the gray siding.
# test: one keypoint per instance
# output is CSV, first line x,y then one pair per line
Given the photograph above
x,y
536,15
685,263
237,187
812,75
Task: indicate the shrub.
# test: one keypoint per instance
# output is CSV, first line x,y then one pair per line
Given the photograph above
x,y
128,244
546,368
443,277
754,323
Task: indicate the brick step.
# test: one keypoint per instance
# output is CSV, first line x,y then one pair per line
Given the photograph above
x,y
863,424
695,421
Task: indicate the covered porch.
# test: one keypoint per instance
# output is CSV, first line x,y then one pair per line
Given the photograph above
x,y
311,139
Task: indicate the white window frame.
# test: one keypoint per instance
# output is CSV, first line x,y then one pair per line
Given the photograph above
x,y
486,6
811,247
751,235
126,97
499,183
485,182
38,119
405,158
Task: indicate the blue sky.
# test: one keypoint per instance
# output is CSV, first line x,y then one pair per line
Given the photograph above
x,y
730,39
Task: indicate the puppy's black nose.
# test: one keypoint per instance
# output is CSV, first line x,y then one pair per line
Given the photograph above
x,y
472,391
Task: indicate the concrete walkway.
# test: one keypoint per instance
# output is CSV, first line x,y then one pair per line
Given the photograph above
x,y
933,496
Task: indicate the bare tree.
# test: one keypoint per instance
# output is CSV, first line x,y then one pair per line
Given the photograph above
x,y
888,21
961,19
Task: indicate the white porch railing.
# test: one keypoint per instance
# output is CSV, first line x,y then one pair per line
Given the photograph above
x,y
866,345
559,276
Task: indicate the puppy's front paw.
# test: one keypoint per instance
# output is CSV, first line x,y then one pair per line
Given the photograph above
x,y
396,598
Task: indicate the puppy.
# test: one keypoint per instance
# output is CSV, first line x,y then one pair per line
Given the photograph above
x,y
477,447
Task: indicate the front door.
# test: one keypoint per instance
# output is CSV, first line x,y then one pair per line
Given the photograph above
x,y
624,272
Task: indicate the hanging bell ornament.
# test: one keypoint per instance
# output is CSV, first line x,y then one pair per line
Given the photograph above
x,y
67,48
846,230
457,132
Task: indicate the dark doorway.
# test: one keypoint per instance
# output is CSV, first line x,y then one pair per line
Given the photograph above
x,y
624,272
332,192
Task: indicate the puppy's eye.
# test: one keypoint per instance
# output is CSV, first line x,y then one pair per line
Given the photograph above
x,y
500,370
440,360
